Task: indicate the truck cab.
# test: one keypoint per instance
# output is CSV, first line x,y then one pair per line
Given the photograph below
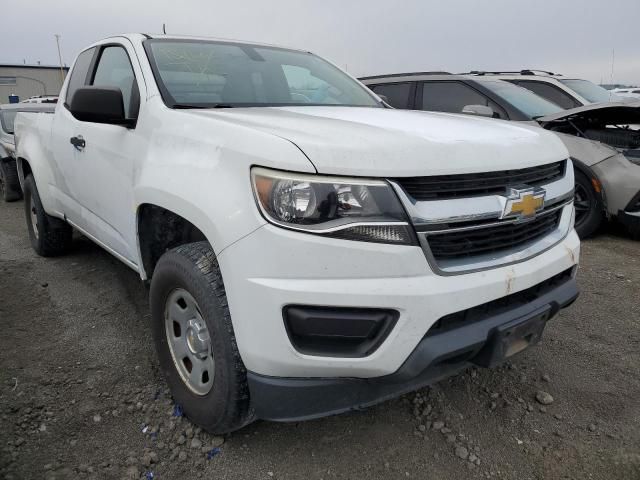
x,y
309,250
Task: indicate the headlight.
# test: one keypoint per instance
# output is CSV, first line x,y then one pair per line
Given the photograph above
x,y
347,208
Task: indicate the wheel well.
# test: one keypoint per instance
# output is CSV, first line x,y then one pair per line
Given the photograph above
x,y
24,170
24,167
160,230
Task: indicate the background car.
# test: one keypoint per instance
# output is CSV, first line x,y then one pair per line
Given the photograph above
x,y
9,185
41,99
606,157
563,91
627,92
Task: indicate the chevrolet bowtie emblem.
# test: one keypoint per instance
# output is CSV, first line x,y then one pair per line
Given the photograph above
x,y
524,202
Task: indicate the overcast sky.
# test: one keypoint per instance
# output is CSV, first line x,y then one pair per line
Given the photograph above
x,y
575,37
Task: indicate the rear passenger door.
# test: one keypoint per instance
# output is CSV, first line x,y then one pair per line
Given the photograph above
x,y
398,95
452,96
64,156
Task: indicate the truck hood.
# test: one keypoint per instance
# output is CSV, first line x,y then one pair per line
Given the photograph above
x,y
614,113
386,142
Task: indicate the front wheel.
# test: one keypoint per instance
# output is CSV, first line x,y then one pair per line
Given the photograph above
x,y
195,340
589,208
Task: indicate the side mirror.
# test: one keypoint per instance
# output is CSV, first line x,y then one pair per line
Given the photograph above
x,y
480,110
99,105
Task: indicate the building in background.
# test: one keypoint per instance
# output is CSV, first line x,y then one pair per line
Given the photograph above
x,y
29,80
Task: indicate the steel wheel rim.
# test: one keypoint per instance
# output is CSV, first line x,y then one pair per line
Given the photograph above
x,y
581,203
189,342
33,216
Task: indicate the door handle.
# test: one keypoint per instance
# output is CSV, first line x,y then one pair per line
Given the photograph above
x,y
78,142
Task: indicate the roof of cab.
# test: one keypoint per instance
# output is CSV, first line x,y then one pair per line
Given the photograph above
x,y
143,36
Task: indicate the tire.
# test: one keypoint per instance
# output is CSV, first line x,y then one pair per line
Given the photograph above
x,y
634,231
589,208
49,235
9,184
193,268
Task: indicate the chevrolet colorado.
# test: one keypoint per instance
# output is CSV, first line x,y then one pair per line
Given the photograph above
x,y
309,251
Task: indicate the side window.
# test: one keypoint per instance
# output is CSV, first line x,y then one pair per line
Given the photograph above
x,y
452,97
397,93
79,74
115,70
549,92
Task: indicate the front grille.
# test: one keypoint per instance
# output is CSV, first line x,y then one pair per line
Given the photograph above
x,y
496,307
443,187
492,238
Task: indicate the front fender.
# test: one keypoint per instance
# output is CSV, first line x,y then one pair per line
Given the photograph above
x,y
215,224
200,168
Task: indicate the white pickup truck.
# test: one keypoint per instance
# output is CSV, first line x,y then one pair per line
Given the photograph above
x,y
309,249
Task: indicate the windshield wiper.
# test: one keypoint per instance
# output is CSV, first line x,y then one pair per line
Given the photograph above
x,y
213,105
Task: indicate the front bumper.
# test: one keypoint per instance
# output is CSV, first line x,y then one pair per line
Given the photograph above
x,y
435,357
273,267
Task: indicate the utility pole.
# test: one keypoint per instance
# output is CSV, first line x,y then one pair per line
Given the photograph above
x,y
57,35
613,62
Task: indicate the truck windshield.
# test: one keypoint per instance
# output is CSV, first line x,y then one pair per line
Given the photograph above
x,y
524,100
591,92
209,74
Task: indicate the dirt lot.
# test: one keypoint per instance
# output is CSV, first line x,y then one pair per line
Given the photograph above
x,y
81,395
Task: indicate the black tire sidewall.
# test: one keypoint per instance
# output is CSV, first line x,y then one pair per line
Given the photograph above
x,y
54,234
32,199
10,186
3,182
213,410
595,216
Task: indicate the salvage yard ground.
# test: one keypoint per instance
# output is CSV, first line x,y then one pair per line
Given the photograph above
x,y
81,395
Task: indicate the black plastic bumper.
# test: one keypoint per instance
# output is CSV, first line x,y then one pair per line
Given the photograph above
x,y
436,357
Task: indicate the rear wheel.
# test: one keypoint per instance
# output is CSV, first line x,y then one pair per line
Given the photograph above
x,y
49,235
589,208
195,340
9,183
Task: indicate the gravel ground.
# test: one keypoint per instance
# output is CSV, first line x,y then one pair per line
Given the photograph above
x,y
81,395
